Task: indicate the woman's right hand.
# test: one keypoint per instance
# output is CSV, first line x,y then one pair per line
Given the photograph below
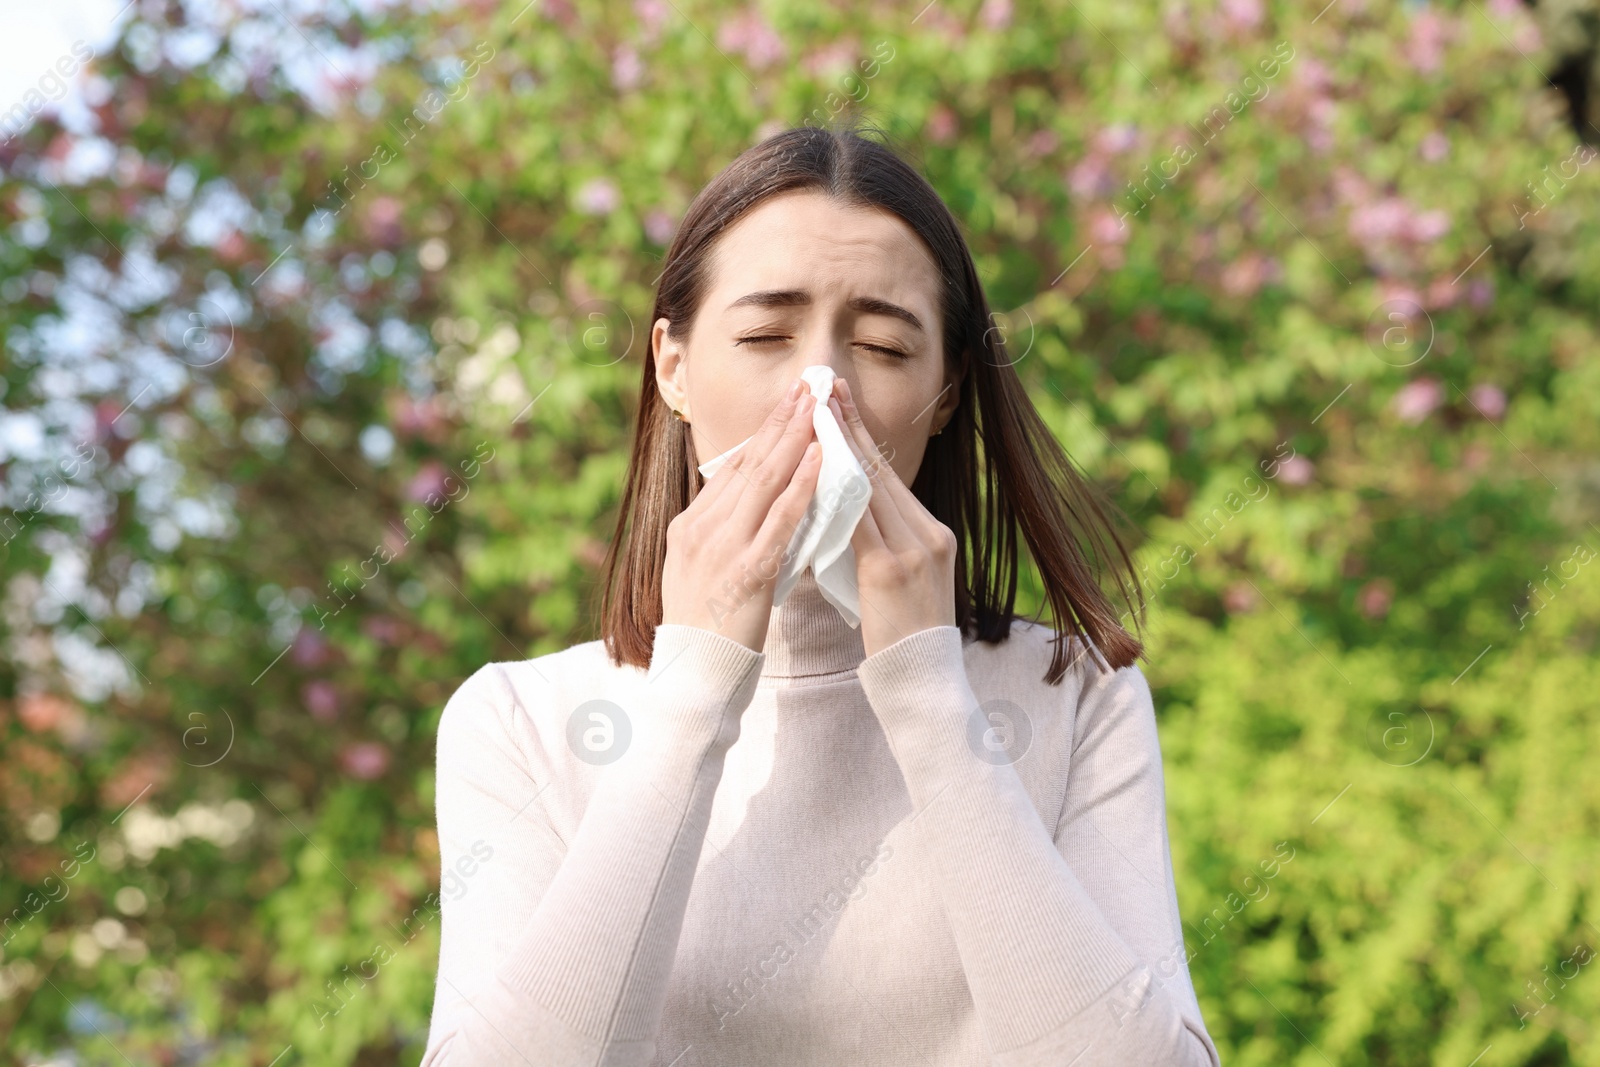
x,y
725,549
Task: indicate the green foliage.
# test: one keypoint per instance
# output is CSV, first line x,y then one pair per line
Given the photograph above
x,y
1369,537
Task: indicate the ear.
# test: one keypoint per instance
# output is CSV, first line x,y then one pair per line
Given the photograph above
x,y
671,367
948,401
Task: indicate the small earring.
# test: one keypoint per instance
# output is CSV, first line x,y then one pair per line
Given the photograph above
x,y
677,414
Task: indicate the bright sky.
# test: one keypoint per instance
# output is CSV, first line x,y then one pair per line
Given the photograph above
x,y
37,34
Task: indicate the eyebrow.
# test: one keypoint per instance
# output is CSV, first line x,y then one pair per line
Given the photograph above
x,y
867,305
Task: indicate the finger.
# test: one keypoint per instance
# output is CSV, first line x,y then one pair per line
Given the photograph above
x,y
860,440
889,503
866,539
866,454
732,471
860,446
857,427
765,480
715,490
773,430
777,530
849,435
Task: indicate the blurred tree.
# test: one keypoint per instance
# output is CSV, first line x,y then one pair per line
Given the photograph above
x,y
321,343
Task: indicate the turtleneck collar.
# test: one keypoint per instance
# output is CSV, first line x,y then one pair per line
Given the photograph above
x,y
807,637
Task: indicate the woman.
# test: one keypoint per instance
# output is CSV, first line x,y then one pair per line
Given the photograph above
x,y
733,833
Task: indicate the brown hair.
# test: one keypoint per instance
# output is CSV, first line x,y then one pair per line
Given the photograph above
x,y
1029,483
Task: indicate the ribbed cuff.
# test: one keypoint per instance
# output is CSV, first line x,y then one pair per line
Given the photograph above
x,y
919,690
717,655
902,669
695,677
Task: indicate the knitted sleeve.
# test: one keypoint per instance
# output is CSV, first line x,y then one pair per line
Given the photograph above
x,y
1113,826
559,954
1060,959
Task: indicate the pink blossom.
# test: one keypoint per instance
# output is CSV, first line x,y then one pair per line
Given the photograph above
x,y
1296,470
109,415
751,34
832,59
1396,291
1490,400
1106,229
1116,138
1243,277
1319,135
1241,14
42,711
561,12
153,176
1042,143
1417,399
416,418
384,211
321,699
599,196
1311,73
1480,293
1375,598
364,759
382,220
428,482
653,13
941,125
1428,227
626,69
396,541
232,247
1349,185
1175,20
1425,47
938,19
1379,221
1239,598
1435,146
1089,178
309,649
996,14
1442,293
385,628
659,227
1390,219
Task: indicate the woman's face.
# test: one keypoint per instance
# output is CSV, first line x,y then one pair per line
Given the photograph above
x,y
801,281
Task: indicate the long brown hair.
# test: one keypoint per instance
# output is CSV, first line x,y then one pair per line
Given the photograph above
x,y
1028,481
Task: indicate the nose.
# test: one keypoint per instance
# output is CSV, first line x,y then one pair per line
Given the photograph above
x,y
826,345
819,378
824,363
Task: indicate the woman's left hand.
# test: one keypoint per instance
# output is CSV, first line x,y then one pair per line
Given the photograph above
x,y
905,558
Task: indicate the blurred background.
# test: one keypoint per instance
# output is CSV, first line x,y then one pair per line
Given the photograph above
x,y
323,329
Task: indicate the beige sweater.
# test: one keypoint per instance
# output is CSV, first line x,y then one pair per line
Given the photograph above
x,y
926,858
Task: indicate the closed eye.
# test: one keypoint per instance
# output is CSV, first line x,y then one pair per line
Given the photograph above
x,y
895,352
769,338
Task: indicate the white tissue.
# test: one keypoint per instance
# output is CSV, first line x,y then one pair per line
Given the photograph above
x,y
822,541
